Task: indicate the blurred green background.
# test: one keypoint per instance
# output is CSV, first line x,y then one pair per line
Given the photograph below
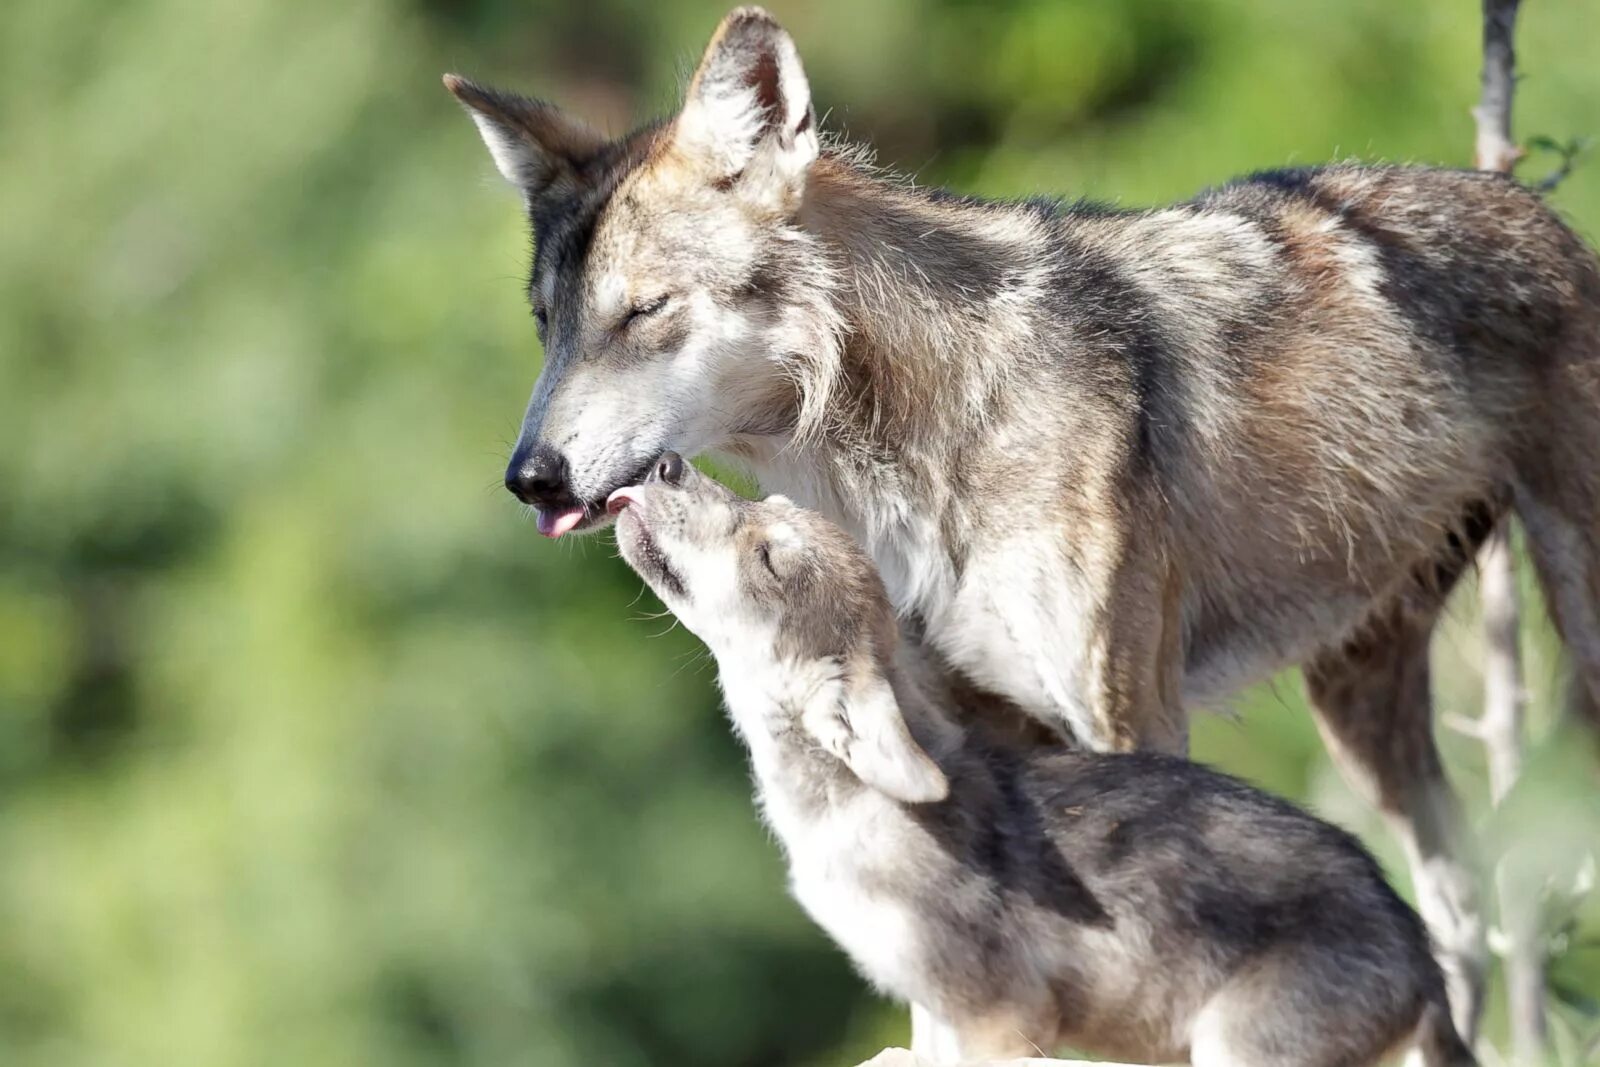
x,y
310,750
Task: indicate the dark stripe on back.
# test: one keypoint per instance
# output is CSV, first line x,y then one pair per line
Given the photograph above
x,y
1114,319
1450,277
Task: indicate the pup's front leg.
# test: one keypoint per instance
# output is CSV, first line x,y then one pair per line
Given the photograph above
x,y
932,1038
937,1041
900,1057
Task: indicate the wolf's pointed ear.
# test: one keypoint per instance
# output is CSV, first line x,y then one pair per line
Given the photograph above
x,y
747,120
536,146
865,729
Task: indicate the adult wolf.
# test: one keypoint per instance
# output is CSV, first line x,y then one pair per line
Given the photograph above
x,y
1111,464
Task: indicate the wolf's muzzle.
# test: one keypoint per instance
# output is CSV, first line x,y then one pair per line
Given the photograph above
x,y
538,476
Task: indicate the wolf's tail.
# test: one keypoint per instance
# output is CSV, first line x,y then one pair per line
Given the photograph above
x,y
1438,1041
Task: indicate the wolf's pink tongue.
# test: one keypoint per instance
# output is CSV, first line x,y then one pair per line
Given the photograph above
x,y
556,523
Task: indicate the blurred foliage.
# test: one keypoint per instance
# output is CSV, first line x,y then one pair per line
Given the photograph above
x,y
310,751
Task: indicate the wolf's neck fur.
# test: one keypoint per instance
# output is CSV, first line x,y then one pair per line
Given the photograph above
x,y
918,282
919,286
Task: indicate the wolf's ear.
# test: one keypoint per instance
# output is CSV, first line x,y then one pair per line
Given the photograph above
x,y
536,146
747,120
865,729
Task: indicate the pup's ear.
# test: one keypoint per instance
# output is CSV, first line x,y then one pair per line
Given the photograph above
x,y
536,146
785,546
747,121
865,729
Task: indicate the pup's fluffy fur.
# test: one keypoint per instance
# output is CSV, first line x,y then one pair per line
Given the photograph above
x,y
1137,906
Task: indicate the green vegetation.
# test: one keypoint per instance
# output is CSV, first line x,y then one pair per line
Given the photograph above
x,y
311,752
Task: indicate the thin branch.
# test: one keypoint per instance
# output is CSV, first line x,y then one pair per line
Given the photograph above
x,y
1504,698
1496,150
1501,726
1569,153
1557,176
1462,724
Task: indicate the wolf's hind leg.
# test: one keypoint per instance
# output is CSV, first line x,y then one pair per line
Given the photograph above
x,y
1562,522
1373,707
1556,493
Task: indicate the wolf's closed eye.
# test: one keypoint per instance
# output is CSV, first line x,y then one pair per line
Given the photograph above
x,y
644,310
764,550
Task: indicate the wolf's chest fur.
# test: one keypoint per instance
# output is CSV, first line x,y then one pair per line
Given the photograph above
x,y
1016,611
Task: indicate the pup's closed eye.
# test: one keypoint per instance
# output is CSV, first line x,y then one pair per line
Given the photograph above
x,y
764,550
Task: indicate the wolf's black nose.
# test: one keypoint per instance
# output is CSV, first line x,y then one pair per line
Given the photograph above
x,y
669,469
538,476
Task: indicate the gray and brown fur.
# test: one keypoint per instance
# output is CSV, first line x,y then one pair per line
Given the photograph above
x,y
1112,465
1136,905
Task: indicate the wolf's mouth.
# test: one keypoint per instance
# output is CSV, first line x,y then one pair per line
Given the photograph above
x,y
588,515
554,522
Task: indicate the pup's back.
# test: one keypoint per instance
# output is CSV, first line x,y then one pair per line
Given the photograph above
x,y
1195,914
1135,905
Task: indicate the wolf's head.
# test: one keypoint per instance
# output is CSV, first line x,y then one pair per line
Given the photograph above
x,y
792,608
670,282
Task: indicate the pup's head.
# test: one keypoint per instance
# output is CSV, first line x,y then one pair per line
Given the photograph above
x,y
670,283
782,595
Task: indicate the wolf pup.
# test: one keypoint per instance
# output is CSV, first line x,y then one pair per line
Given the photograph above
x,y
1114,464
1137,906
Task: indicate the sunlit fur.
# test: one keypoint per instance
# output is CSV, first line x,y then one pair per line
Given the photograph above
x,y
1133,905
1113,465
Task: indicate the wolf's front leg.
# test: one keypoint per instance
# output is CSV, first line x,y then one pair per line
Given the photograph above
x,y
1134,677
1081,628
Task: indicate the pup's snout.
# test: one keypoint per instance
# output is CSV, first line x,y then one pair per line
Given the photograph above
x,y
668,469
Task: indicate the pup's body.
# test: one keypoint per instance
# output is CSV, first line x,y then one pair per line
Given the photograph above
x,y
1113,463
1137,906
